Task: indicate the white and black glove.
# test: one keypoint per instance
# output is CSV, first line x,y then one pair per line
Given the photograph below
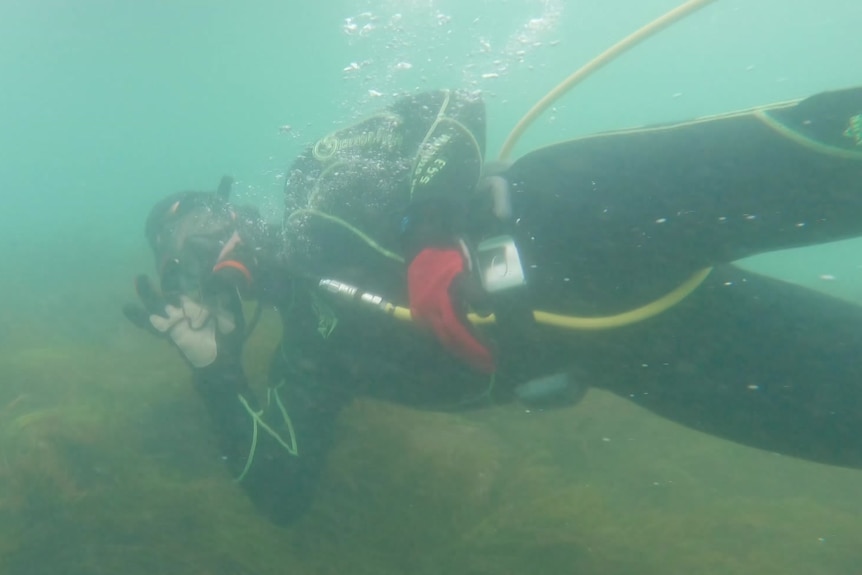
x,y
200,331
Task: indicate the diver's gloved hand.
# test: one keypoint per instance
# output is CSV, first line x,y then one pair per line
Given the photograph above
x,y
197,330
437,281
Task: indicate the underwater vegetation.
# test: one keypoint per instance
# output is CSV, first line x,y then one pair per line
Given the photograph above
x,y
107,465
105,473
601,488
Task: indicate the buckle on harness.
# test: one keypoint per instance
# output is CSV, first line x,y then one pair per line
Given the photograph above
x,y
499,265
501,273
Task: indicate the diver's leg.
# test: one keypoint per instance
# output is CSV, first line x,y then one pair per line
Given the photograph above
x,y
659,203
750,358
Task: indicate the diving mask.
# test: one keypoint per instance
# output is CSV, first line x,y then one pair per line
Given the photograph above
x,y
188,233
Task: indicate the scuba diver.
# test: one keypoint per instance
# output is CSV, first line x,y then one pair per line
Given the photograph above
x,y
406,269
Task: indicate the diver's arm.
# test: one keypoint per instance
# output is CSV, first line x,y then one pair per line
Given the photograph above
x,y
255,437
259,432
211,255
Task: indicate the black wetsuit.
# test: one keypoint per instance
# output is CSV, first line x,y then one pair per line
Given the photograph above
x,y
603,224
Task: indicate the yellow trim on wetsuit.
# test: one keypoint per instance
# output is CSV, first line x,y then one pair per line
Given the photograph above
x,y
803,140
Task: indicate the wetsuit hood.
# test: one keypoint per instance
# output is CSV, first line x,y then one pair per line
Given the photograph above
x,y
187,232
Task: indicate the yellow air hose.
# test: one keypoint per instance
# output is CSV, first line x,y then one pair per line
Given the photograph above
x,y
687,287
595,64
544,317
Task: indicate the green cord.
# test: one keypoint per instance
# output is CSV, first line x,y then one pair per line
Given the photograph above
x,y
250,458
257,421
293,449
485,395
351,228
854,129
